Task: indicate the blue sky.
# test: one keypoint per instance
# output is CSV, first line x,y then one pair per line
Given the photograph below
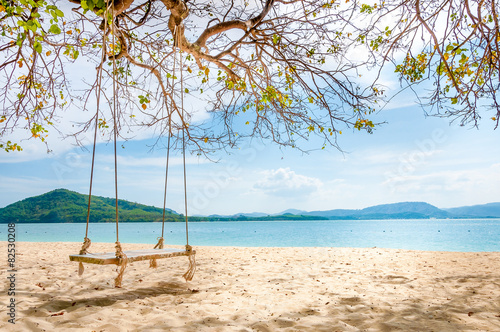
x,y
411,158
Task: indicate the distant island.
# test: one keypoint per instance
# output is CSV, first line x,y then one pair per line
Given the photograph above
x,y
65,206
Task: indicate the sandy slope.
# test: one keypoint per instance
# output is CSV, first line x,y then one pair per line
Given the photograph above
x,y
258,289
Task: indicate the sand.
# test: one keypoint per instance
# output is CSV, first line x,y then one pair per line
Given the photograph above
x,y
256,289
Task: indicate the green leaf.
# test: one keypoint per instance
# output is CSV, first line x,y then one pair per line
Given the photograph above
x,y
276,38
38,47
454,100
54,28
85,5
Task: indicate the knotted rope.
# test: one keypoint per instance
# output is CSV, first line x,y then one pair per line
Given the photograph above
x,y
188,276
159,245
83,251
85,246
122,263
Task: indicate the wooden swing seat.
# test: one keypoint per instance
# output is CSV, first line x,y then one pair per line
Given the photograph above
x,y
105,258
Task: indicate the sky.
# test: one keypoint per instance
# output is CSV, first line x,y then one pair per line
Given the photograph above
x,y
410,158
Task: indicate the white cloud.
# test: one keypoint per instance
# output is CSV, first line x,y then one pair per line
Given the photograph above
x,y
285,182
462,187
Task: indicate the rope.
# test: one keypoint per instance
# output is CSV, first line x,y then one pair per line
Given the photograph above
x,y
86,240
85,246
159,245
183,136
122,263
166,178
152,262
99,79
83,251
122,258
188,276
168,149
115,129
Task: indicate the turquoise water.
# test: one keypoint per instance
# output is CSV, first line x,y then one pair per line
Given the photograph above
x,y
466,235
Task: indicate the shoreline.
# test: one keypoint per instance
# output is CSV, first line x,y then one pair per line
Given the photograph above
x,y
257,289
109,246
252,219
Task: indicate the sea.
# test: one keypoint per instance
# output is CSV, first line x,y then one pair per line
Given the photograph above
x,y
460,235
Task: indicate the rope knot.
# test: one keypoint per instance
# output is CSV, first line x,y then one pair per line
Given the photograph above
x,y
188,276
85,246
159,245
122,263
152,262
119,252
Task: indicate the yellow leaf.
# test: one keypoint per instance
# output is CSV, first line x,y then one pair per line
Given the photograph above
x,y
340,132
205,139
189,70
48,53
494,118
144,106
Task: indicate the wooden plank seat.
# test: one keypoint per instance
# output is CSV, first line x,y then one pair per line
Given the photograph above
x,y
105,258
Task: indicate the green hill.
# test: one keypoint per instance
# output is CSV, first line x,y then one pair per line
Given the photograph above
x,y
62,205
65,206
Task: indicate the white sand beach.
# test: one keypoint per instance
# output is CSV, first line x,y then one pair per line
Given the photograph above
x,y
256,289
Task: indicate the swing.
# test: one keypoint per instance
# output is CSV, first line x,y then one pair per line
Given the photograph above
x,y
122,258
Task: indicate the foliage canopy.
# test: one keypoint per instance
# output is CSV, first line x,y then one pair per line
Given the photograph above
x,y
277,69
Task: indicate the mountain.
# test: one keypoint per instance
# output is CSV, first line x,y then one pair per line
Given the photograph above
x,y
403,210
410,210
292,211
63,205
424,210
485,210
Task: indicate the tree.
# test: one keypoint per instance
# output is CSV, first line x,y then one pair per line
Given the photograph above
x,y
285,68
